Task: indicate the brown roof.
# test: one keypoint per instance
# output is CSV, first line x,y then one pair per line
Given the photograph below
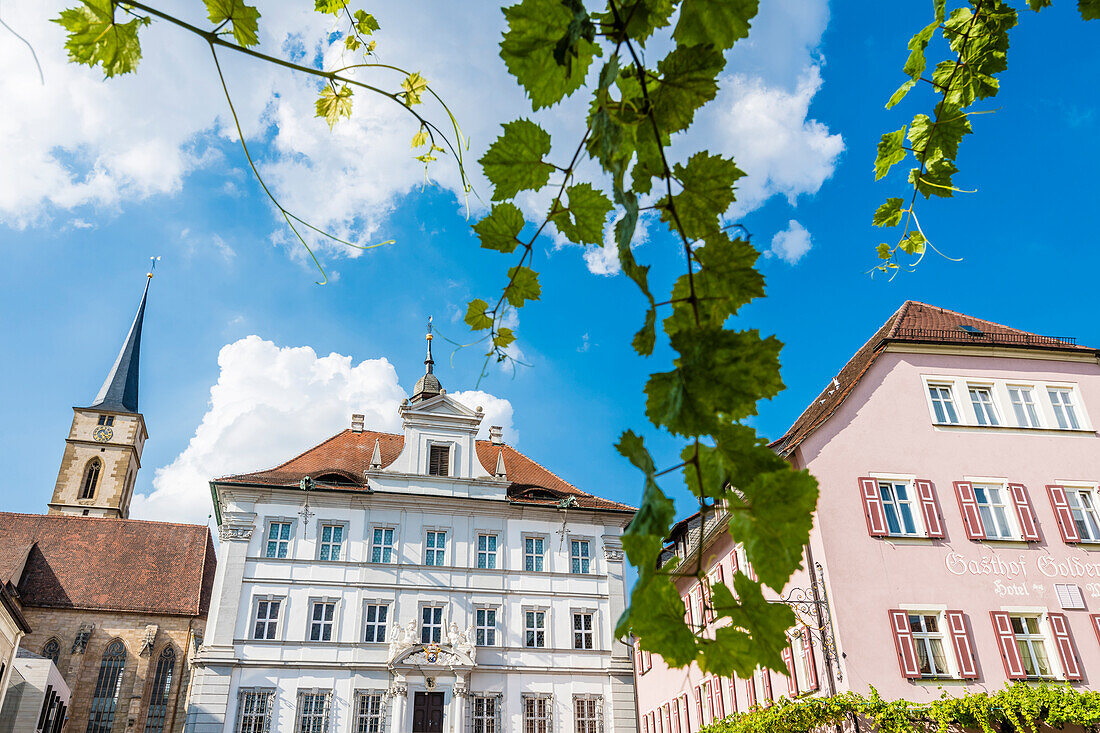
x,y
344,457
914,322
103,564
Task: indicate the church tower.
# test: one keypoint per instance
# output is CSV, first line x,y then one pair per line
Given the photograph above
x,y
103,450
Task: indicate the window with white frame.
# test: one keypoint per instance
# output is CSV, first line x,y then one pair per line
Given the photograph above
x,y
485,713
981,398
994,511
332,541
487,551
534,553
1022,398
1082,505
375,617
536,713
369,711
587,711
255,707
314,709
1061,401
278,539
1031,644
580,553
485,626
431,624
943,404
435,547
439,460
803,659
265,622
582,630
322,616
928,640
382,545
534,628
900,507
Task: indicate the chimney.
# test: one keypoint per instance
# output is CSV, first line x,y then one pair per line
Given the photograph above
x,y
356,423
496,435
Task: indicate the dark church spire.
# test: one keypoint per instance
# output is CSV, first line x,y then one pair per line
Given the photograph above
x,y
427,386
120,392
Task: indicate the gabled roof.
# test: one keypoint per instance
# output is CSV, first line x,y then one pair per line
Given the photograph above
x,y
347,454
102,564
119,392
916,323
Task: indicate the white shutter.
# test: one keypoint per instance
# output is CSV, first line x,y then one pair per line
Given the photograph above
x,y
1069,596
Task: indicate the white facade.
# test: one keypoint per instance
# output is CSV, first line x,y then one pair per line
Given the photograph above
x,y
289,634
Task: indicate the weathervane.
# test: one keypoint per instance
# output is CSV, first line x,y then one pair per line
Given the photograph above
x,y
153,266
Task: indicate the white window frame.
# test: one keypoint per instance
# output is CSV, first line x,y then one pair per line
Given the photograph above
x,y
582,634
1073,490
800,660
1011,520
255,617
289,540
376,625
264,719
1050,648
942,635
543,720
595,723
437,555
1031,411
1042,413
300,725
486,634
333,624
492,557
486,722
447,446
1075,412
929,385
322,544
366,721
392,547
542,541
530,625
574,544
986,414
441,627
915,507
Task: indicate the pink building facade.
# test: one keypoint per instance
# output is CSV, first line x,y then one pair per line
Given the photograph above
x,y
956,543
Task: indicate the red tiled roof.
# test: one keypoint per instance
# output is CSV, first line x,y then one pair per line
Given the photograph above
x,y
913,322
103,564
347,455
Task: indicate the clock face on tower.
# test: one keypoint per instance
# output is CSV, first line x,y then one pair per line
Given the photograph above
x,y
103,433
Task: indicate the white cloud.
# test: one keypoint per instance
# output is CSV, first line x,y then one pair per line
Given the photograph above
x,y
791,243
498,411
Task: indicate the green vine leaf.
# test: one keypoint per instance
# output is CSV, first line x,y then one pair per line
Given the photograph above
x,y
330,7
500,229
476,317
535,30
524,285
891,150
720,23
688,80
95,39
243,19
1089,9
514,162
707,182
332,104
365,23
889,214
413,87
582,220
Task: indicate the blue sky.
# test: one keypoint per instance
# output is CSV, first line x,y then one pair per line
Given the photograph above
x,y
74,271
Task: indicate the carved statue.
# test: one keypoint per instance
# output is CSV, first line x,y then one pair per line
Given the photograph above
x,y
465,644
453,637
401,638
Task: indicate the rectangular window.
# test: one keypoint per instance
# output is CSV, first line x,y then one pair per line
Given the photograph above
x,y
536,713
579,556
321,617
582,630
1082,505
313,711
435,548
533,554
369,712
382,545
942,404
377,614
108,420
266,622
484,711
534,629
1023,404
332,541
278,539
586,713
254,709
984,411
1031,645
1064,411
431,624
439,459
928,641
487,551
897,504
992,508
486,626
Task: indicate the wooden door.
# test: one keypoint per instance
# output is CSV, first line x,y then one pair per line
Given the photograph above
x,y
427,712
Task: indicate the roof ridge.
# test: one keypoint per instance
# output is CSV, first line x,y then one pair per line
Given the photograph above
x,y
307,450
970,317
898,315
76,517
544,468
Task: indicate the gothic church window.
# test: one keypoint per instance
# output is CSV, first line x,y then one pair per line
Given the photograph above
x,y
52,650
91,478
108,420
162,683
108,684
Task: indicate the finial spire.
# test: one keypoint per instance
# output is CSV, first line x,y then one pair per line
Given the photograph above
x,y
427,386
120,390
429,362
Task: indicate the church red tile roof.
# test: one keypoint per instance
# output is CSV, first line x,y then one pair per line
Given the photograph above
x,y
916,323
95,563
348,453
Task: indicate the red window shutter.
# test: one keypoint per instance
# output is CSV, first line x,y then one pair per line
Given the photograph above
x,y
721,575
733,688
903,642
718,697
1062,511
766,684
750,693
733,563
668,717
1059,626
1006,642
676,716
645,724
1028,526
699,705
749,571
964,649
1095,618
792,681
872,508
708,608
687,609
968,505
640,662
712,709
808,655
929,508
686,714
653,722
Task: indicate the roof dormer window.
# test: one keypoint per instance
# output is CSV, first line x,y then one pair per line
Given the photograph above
x,y
439,460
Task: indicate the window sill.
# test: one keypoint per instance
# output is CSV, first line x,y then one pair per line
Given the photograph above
x,y
909,539
961,427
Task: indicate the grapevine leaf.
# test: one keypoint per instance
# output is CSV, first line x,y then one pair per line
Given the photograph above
x,y
500,229
332,104
720,23
580,28
941,139
330,7
900,93
414,86
1038,5
883,251
646,337
707,182
644,536
504,337
624,233
891,150
1089,9
765,622
889,214
535,27
582,221
524,285
914,64
936,179
476,317
725,280
736,458
419,139
365,23
642,17
688,80
913,243
244,19
95,39
352,43
514,162
656,616
632,447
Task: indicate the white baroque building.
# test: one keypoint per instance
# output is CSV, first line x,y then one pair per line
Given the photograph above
x,y
422,582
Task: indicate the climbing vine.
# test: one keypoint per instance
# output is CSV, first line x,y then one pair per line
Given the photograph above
x,y
1022,705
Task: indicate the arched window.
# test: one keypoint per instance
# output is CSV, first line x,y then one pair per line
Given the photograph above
x,y
52,650
162,683
91,478
107,686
